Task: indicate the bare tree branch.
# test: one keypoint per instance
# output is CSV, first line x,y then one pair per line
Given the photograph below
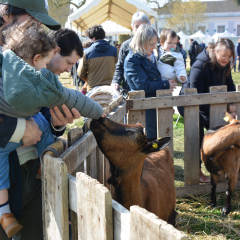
x,y
58,5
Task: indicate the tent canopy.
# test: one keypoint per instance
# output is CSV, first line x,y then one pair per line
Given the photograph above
x,y
198,34
98,11
111,28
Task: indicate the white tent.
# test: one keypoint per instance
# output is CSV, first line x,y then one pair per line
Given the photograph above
x,y
182,36
199,36
98,11
226,34
111,28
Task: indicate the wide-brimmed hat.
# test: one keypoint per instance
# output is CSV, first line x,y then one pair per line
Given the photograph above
x,y
36,8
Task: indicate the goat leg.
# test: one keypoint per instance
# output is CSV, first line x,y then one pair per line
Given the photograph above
x,y
233,176
227,208
214,180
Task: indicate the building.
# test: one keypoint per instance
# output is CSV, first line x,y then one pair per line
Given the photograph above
x,y
219,16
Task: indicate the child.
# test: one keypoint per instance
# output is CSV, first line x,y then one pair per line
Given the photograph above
x,y
24,89
232,109
170,61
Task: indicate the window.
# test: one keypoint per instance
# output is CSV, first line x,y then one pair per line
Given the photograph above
x,y
202,28
238,30
221,29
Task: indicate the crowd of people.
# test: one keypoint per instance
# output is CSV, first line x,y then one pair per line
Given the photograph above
x,y
35,58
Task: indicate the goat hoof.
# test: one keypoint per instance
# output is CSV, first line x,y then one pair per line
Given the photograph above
x,y
226,211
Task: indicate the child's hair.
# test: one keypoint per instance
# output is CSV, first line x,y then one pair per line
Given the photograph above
x,y
165,33
27,40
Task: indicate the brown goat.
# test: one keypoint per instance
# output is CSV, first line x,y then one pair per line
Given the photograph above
x,y
141,173
220,153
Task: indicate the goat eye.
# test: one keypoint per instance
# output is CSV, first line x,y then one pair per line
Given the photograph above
x,y
134,137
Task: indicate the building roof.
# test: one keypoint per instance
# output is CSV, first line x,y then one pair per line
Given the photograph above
x,y
211,7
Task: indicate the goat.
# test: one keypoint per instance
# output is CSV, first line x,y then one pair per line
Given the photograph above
x,y
142,173
220,153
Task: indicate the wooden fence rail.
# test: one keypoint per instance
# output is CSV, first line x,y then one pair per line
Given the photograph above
x,y
94,214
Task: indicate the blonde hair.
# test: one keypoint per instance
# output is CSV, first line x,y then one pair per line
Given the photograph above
x,y
142,37
27,40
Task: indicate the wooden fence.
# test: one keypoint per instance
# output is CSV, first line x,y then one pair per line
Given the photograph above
x,y
77,179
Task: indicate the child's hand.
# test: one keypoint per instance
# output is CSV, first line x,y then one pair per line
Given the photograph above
x,y
183,79
104,115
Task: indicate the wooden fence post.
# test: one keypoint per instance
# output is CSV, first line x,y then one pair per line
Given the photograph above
x,y
94,208
55,192
147,226
191,141
135,116
217,114
165,119
73,136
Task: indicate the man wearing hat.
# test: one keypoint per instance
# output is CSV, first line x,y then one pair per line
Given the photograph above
x,y
25,197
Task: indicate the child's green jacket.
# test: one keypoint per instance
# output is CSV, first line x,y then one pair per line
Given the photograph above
x,y
27,90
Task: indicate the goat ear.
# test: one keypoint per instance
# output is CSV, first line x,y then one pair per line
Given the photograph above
x,y
230,118
156,145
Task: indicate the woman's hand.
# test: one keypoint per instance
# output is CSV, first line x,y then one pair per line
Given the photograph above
x,y
172,84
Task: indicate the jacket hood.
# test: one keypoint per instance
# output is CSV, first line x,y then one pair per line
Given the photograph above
x,y
101,45
203,56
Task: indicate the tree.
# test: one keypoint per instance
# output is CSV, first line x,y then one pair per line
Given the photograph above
x,y
60,9
60,3
186,15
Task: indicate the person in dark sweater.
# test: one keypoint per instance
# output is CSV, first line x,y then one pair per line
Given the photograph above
x,y
211,68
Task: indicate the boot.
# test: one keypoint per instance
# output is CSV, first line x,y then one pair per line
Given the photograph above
x,y
10,224
202,177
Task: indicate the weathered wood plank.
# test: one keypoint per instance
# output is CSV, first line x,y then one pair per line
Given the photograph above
x,y
147,226
106,173
217,110
100,167
184,100
191,142
94,208
55,199
119,113
76,154
217,114
72,195
59,146
135,116
165,119
202,189
74,135
121,222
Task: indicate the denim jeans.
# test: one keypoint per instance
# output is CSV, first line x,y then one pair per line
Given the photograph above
x,y
46,140
31,215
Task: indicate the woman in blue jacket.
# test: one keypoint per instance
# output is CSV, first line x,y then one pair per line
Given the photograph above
x,y
142,74
211,68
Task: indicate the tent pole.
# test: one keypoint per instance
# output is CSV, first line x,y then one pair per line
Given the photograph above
x,y
156,24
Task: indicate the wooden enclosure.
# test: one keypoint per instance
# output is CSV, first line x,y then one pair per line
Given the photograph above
x,y
77,179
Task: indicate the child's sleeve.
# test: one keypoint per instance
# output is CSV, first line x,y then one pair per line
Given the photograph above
x,y
73,98
179,66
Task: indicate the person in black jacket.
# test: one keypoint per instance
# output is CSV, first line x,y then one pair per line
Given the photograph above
x,y
192,51
212,68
